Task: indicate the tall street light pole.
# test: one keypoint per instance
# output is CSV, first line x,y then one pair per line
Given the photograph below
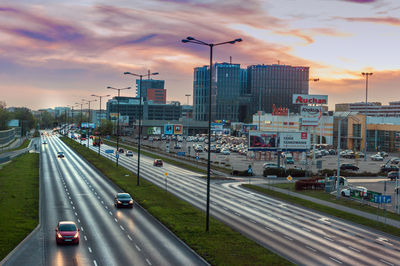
x,y
89,101
211,45
187,95
80,126
100,96
314,134
140,115
366,74
119,90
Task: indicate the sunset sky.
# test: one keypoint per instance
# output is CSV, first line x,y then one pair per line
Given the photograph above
x,y
55,53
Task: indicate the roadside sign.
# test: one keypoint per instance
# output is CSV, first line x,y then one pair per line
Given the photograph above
x,y
117,155
109,151
383,199
166,174
197,157
290,178
181,153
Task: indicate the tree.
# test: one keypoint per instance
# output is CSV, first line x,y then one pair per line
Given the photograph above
x,y
106,127
24,115
4,116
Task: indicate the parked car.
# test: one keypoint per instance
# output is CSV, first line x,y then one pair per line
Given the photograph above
x,y
121,150
346,192
348,166
359,154
271,165
67,233
123,200
158,162
395,160
129,153
383,154
289,160
393,175
225,152
332,152
389,168
60,154
376,157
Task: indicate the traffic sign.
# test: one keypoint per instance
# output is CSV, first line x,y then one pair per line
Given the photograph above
x,y
290,178
166,174
197,157
383,199
109,151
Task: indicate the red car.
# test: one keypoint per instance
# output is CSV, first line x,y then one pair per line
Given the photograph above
x,y
158,162
67,233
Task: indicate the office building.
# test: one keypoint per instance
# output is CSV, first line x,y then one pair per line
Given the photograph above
x,y
156,85
373,108
157,95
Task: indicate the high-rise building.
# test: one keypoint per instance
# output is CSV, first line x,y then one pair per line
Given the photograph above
x,y
149,84
275,84
157,95
200,93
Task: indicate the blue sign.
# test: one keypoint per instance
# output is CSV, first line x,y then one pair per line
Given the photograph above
x,y
197,157
181,153
383,199
117,155
168,129
109,151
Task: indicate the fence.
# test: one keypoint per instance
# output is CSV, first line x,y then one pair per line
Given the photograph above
x,y
6,136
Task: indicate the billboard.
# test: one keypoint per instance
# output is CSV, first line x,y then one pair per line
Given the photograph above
x,y
310,115
217,127
178,129
263,140
247,127
123,120
168,129
113,116
294,140
154,131
88,125
310,99
13,123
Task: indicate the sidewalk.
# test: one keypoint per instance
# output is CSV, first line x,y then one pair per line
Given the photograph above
x,y
367,215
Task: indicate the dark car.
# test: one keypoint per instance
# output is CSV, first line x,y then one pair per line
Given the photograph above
x,y
67,233
393,175
123,200
349,166
121,150
60,154
389,168
158,162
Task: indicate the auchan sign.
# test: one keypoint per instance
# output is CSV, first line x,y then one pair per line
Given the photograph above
x,y
310,99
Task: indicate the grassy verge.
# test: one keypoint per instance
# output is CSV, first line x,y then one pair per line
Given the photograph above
x,y
220,246
19,200
331,211
24,145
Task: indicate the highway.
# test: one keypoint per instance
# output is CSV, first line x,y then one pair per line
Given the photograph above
x,y
72,190
304,237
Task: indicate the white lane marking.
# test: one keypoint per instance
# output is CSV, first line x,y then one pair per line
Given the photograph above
x,y
137,247
106,207
288,238
67,193
110,212
327,238
254,222
94,262
85,238
98,197
122,228
237,214
148,262
95,192
82,228
225,208
90,250
338,261
73,207
72,203
76,214
69,197
79,221
356,250
306,229
130,238
115,219
310,248
269,229
102,202
386,262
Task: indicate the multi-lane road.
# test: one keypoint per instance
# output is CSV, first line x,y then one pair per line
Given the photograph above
x,y
73,190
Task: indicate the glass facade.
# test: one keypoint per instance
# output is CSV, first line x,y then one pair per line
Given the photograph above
x,y
200,93
383,140
275,84
148,84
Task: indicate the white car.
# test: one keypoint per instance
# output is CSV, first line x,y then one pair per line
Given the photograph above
x,y
376,157
363,191
225,152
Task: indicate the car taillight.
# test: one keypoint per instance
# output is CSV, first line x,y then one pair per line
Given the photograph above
x,y
59,235
76,235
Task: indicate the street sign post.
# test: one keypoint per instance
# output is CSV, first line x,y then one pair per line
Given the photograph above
x,y
385,199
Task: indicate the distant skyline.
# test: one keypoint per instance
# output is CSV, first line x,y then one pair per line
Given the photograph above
x,y
55,53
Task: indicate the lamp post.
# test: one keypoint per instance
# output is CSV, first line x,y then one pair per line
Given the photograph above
x,y
366,74
140,115
80,126
100,96
112,88
211,45
187,95
314,136
89,101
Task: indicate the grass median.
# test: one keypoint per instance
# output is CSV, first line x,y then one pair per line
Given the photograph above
x,y
24,145
331,211
220,246
19,200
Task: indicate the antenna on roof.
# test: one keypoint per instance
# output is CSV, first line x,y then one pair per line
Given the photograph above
x,y
148,74
230,60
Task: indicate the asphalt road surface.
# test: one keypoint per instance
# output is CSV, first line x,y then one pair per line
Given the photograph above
x,y
303,236
72,190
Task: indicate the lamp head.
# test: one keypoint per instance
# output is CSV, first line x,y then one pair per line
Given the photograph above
x,y
238,40
155,73
185,41
190,38
127,73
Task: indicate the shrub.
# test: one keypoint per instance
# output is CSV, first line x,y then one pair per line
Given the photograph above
x,y
279,172
295,172
309,184
241,173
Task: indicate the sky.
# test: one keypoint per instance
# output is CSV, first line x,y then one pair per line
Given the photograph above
x,y
56,53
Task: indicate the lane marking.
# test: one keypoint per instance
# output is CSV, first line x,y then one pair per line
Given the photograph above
x,y
130,238
254,222
69,197
102,202
73,207
115,219
386,262
310,248
237,214
106,207
148,262
76,214
288,238
72,203
94,262
79,221
137,247
356,250
338,261
268,229
122,228
85,238
90,250
327,238
306,229
82,228
110,212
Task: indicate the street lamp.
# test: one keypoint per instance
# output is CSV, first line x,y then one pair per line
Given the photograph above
x,y
140,114
366,74
80,126
314,135
100,96
112,88
211,45
187,95
89,120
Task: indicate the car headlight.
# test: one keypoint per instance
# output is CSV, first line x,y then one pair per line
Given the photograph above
x,y
59,235
76,235
119,201
131,201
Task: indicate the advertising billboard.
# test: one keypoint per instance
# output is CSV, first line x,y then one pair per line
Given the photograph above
x,y
294,140
310,115
178,129
310,99
168,129
123,120
13,123
263,140
113,116
88,125
154,131
247,127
